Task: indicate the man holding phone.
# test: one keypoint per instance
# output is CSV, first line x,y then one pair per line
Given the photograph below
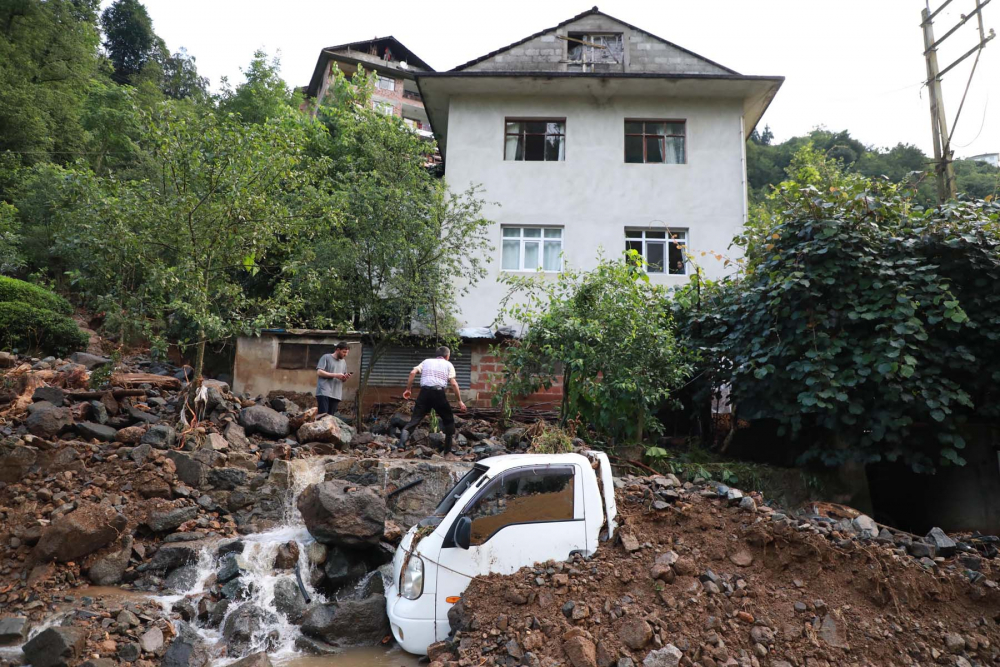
x,y
331,374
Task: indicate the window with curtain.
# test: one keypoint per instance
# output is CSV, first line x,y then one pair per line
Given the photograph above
x,y
662,250
535,140
532,248
655,141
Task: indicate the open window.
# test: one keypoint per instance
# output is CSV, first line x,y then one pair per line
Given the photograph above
x,y
298,356
521,496
595,52
535,140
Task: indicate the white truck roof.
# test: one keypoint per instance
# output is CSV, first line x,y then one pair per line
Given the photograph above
x,y
506,461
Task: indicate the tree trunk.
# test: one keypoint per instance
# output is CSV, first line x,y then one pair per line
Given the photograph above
x,y
199,361
378,351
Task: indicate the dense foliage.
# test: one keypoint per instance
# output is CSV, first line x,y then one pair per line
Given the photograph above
x,y
12,289
767,162
865,325
34,319
609,333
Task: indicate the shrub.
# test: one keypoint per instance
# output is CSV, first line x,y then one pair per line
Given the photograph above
x,y
26,327
12,289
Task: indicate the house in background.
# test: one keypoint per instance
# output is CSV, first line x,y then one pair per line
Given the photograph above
x,y
597,136
992,159
396,91
593,136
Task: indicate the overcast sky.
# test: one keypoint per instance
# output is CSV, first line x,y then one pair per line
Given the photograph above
x,y
850,64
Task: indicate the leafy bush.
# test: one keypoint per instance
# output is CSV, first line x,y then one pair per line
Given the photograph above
x,y
866,327
12,289
547,439
609,333
26,327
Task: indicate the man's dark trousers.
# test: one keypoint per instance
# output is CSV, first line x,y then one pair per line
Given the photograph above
x,y
326,405
434,399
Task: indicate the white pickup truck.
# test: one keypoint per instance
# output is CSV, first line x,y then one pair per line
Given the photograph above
x,y
506,513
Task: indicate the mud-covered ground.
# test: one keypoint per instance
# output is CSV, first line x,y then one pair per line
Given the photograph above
x,y
709,580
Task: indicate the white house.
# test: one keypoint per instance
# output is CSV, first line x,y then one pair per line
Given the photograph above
x,y
593,136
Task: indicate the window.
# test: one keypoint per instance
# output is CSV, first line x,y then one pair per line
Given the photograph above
x,y
298,356
655,141
535,140
384,107
385,83
526,495
657,247
532,248
587,52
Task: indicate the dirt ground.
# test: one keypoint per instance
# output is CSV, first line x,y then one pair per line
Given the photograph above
x,y
704,582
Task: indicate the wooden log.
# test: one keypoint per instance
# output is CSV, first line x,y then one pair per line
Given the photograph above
x,y
135,379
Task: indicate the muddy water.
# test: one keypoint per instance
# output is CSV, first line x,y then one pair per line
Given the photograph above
x,y
355,657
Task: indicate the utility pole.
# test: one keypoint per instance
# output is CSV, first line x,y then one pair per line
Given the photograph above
x,y
939,123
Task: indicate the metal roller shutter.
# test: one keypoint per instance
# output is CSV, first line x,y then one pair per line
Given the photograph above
x,y
396,364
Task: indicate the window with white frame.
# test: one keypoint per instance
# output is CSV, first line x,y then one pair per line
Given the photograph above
x,y
385,83
532,248
663,250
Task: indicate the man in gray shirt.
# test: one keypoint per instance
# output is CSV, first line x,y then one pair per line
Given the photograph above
x,y
331,374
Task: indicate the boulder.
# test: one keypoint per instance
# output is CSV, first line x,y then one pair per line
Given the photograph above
x,y
170,556
236,436
190,470
287,556
169,517
635,632
341,568
349,622
288,599
227,478
339,513
182,579
49,423
944,546
668,656
141,416
581,652
246,627
88,361
13,630
264,420
79,533
53,395
107,569
56,647
327,429
151,641
95,431
186,650
160,436
16,461
130,435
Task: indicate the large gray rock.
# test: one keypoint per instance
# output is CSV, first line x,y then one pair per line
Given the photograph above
x,y
13,630
151,641
192,469
89,361
668,656
342,567
944,546
56,647
170,556
349,622
258,659
186,650
343,514
327,429
168,518
79,533
160,436
227,478
288,599
49,423
236,436
264,420
108,569
246,627
95,431
54,395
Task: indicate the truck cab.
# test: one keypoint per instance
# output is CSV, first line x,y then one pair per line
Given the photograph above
x,y
506,513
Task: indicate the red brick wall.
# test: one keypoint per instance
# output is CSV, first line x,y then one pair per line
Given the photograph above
x,y
487,371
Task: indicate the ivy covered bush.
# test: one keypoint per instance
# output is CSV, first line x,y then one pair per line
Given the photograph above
x,y
34,319
867,327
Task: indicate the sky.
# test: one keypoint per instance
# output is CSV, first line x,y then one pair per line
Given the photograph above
x,y
852,64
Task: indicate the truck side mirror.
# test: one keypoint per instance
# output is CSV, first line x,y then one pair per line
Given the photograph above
x,y
463,532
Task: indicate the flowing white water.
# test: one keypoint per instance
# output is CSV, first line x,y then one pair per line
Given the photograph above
x,y
277,634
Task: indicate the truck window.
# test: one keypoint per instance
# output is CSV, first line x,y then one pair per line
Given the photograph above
x,y
527,495
461,487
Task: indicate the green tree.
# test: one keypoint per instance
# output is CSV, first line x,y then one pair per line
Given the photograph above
x,y
129,39
180,78
261,95
609,332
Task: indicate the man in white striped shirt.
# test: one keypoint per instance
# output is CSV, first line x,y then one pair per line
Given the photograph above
x,y
436,375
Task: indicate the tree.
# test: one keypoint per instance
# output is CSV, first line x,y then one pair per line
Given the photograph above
x,y
181,80
178,247
261,95
609,332
47,58
130,40
861,322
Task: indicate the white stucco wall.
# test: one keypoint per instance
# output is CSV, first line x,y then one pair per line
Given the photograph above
x,y
594,195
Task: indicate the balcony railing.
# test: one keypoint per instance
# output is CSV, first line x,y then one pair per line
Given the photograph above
x,y
411,95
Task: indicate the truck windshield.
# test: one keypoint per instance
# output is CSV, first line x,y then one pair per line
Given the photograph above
x,y
468,480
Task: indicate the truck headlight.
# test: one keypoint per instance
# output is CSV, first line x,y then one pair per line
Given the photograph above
x,y
411,583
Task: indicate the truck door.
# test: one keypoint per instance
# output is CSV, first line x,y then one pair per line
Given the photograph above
x,y
523,516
